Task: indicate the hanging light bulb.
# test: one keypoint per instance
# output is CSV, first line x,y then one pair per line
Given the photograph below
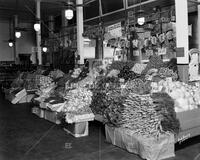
x,y
10,43
69,14
37,26
44,49
141,20
18,34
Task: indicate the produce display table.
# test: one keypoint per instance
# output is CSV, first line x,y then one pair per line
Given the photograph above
x,y
99,117
190,124
47,114
78,129
147,148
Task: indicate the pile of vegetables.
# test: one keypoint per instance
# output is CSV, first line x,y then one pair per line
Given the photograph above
x,y
126,74
155,61
55,74
119,65
136,86
77,103
44,81
100,99
164,105
78,100
186,97
144,114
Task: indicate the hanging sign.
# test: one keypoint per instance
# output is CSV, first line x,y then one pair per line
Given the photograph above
x,y
114,31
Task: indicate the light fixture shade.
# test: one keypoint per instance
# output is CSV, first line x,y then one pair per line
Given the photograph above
x,y
18,34
10,44
141,20
37,27
69,14
44,49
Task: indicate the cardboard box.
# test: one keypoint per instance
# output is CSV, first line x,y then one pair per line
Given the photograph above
x,y
38,111
52,116
27,99
189,119
21,93
79,118
79,129
99,117
189,123
147,148
18,96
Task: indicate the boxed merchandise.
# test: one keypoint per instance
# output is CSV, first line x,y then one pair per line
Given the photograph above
x,y
43,105
27,99
38,111
19,96
150,148
72,118
21,93
52,116
99,118
79,129
190,124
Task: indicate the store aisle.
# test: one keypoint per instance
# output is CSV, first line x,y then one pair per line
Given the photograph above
x,y
24,136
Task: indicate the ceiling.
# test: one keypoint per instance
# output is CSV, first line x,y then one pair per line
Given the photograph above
x,y
25,9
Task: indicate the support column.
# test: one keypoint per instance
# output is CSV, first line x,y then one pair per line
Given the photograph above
x,y
51,26
80,43
182,29
181,8
64,28
198,25
38,34
16,57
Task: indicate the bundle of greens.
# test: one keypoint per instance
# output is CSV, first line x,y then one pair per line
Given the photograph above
x,y
164,105
135,112
126,74
166,72
154,62
137,86
147,115
100,99
119,65
78,100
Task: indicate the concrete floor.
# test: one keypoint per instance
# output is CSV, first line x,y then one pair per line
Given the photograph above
x,y
24,136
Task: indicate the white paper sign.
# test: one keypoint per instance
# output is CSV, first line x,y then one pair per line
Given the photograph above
x,y
115,30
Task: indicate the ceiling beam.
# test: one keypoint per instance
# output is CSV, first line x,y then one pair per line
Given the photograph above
x,y
194,1
11,9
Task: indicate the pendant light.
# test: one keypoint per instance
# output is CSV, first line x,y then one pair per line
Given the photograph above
x,y
18,34
69,14
141,18
10,43
37,26
44,49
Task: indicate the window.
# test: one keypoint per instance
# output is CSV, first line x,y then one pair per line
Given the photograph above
x,y
131,2
92,10
111,5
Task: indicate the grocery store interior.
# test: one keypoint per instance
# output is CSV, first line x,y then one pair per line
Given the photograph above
x,y
99,79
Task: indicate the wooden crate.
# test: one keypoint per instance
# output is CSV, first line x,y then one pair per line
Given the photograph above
x,y
38,111
52,116
79,129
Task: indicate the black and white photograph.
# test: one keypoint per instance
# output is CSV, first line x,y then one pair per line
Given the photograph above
x,y
99,79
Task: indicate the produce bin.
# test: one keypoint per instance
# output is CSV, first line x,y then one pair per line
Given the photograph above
x,y
52,116
147,148
27,99
38,111
189,124
79,129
